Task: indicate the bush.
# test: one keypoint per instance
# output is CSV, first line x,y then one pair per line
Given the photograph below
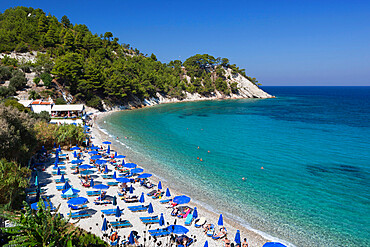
x,y
9,61
6,92
42,116
36,80
95,102
21,47
33,95
60,101
14,103
18,82
5,73
46,78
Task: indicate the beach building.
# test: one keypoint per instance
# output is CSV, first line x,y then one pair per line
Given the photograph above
x,y
38,105
67,114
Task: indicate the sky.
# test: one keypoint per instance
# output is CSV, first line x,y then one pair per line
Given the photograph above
x,y
279,42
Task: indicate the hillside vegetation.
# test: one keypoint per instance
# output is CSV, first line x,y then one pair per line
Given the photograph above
x,y
96,67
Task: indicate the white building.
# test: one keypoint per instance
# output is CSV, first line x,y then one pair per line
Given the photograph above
x,y
38,105
67,114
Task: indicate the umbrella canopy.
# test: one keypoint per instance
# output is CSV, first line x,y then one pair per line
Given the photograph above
x,y
78,161
91,183
106,169
181,199
114,175
142,200
66,186
160,185
144,175
273,244
137,170
77,201
118,212
86,172
55,145
237,237
168,193
220,221
70,191
123,180
131,189
93,152
75,148
94,148
131,239
114,201
85,167
62,179
150,208
36,181
161,220
106,142
58,172
100,162
47,204
119,156
177,229
74,154
105,225
206,244
95,157
129,165
101,187
195,213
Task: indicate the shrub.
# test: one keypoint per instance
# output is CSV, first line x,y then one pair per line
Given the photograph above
x,y
46,78
9,61
36,80
5,73
18,82
95,102
60,101
6,92
33,95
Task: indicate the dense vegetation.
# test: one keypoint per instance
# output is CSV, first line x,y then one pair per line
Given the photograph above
x,y
94,67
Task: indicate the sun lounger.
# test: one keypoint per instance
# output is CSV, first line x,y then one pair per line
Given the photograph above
x,y
158,195
189,219
183,239
131,199
60,167
59,187
93,193
102,202
61,172
149,218
148,185
185,214
112,183
151,193
200,222
165,201
80,216
138,208
222,233
147,222
109,211
211,231
123,224
69,196
159,232
77,207
107,176
58,181
118,222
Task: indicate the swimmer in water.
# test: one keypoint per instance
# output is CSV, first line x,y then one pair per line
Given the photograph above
x,y
244,179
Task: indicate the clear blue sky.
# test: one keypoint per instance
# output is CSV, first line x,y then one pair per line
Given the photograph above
x,y
279,42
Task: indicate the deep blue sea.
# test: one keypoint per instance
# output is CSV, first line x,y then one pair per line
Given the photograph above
x,y
312,142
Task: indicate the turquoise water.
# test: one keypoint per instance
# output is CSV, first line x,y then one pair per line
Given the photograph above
x,y
313,143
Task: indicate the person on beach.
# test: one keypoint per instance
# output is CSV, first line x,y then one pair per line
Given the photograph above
x,y
227,242
245,243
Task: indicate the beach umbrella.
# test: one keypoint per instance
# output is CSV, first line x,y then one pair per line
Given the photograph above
x,y
86,172
128,165
114,175
91,183
43,149
77,201
273,244
100,162
75,148
123,180
137,170
168,194
93,152
95,157
36,181
58,172
118,212
131,189
131,239
114,201
59,148
105,169
106,142
62,179
237,237
55,145
74,154
142,200
115,154
101,187
206,244
105,225
177,229
145,175
66,186
150,208
108,151
160,185
220,221
78,161
56,161
70,191
85,167
161,220
181,199
94,148
119,156
195,213
47,204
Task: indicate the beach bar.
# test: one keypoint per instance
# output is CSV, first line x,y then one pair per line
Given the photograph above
x,y
67,114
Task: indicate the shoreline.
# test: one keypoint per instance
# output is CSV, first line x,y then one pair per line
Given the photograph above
x,y
255,237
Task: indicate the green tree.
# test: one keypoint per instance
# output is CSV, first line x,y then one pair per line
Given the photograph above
x,y
108,35
33,95
153,57
66,22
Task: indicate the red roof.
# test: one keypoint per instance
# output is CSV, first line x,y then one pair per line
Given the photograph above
x,y
40,102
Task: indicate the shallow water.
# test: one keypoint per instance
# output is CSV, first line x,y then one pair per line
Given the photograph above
x,y
312,142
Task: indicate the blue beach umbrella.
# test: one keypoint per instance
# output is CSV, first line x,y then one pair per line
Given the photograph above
x,y
115,154
56,162
78,161
75,148
105,169
58,172
150,208
128,165
136,170
119,157
36,181
93,152
273,244
74,154
131,189
114,201
70,191
77,201
220,221
195,213
62,179
85,167
237,237
47,204
100,162
94,148
123,180
118,212
105,225
55,145
92,183
160,185
142,200
66,186
131,239
95,157
114,175
181,199
206,244
86,172
59,148
161,220
168,193
101,187
108,151
144,175
106,142
177,229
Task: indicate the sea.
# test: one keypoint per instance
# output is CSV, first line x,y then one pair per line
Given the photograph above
x,y
304,157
